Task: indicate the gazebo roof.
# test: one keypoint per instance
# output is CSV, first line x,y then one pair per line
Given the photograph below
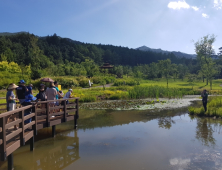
x,y
106,65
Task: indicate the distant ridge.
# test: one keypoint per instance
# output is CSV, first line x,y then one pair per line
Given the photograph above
x,y
14,33
159,50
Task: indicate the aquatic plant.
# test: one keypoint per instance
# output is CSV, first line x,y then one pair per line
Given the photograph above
x,y
138,92
214,108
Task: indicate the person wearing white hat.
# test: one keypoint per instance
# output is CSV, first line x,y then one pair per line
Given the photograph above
x,y
10,99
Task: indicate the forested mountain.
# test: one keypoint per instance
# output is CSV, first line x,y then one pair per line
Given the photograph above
x,y
25,48
176,53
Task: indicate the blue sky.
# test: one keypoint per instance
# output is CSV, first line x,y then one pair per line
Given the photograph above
x,y
167,24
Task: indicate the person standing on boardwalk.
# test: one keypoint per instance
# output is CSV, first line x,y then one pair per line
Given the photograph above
x,y
10,99
58,95
21,91
29,87
41,96
204,96
51,94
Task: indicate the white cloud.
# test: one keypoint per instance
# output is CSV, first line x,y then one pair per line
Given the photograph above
x,y
205,15
181,4
218,4
195,8
178,5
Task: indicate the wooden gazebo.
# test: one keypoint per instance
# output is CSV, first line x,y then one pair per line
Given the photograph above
x,y
106,66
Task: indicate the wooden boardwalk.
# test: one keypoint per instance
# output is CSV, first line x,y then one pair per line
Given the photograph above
x,y
40,115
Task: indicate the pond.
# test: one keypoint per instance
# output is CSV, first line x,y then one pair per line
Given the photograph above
x,y
169,139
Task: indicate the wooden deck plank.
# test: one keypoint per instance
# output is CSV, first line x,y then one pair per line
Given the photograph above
x,y
14,145
13,123
13,134
56,114
41,125
56,122
41,117
71,117
70,110
29,116
56,107
71,104
28,135
28,125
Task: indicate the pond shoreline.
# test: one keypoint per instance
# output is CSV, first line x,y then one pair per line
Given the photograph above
x,y
142,104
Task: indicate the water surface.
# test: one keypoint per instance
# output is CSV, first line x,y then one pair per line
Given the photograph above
x,y
127,140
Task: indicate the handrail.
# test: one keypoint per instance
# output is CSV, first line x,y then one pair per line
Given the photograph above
x,y
57,100
15,111
27,107
52,116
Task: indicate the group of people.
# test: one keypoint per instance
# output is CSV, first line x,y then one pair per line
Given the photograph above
x,y
24,95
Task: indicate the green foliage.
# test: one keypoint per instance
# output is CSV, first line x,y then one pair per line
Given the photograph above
x,y
67,82
214,108
139,92
87,99
122,82
83,81
12,73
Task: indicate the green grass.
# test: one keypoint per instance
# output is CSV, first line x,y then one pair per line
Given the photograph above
x,y
214,108
147,88
197,85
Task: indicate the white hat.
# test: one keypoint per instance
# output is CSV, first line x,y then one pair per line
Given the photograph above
x,y
70,89
12,86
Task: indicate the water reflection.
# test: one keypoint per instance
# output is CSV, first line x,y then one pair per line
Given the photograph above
x,y
180,163
165,122
49,154
59,156
204,131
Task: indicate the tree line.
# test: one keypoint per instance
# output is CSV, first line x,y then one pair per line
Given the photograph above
x,y
53,53
56,56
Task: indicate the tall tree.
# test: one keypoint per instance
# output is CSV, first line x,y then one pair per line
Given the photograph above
x,y
204,50
166,69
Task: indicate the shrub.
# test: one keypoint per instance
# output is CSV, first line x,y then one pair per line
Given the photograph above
x,y
84,82
67,82
191,110
87,99
126,82
97,80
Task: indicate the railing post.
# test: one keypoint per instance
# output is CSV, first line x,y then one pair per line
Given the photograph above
x,y
10,162
3,137
21,125
47,112
65,110
76,116
32,143
53,131
35,125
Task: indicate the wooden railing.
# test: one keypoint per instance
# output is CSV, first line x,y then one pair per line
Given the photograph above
x,y
39,115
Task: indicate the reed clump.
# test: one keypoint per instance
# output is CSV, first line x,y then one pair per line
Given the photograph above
x,y
214,108
138,92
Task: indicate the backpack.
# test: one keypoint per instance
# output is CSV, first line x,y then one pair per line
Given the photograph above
x,y
42,96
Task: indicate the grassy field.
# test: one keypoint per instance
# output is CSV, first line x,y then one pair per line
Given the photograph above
x,y
152,88
198,85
